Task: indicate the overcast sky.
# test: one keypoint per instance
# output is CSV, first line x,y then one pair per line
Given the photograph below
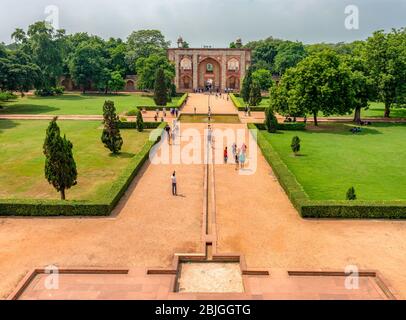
x,y
210,22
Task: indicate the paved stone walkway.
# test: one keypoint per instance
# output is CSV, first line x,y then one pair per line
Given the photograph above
x,y
200,102
146,229
253,217
256,218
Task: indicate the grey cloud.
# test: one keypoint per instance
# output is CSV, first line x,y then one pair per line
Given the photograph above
x,y
210,22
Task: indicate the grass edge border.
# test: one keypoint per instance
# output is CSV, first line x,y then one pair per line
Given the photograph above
x,y
53,208
331,209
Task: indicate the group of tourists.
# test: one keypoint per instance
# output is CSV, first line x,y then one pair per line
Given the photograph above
x,y
222,96
173,111
356,130
239,155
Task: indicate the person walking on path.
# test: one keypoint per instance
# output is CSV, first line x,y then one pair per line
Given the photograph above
x,y
234,149
174,184
168,133
244,148
237,160
209,135
225,155
242,159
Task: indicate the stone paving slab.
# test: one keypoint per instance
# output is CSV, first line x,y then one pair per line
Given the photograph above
x,y
128,287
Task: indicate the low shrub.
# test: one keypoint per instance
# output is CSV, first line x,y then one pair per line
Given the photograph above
x,y
240,107
59,90
295,145
132,113
81,208
7,96
179,104
133,125
292,126
351,195
324,209
49,92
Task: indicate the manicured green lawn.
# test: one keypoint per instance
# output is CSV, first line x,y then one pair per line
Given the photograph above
x,y
77,104
22,160
333,160
376,110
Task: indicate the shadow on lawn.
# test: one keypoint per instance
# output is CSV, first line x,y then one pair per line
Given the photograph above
x,y
123,155
7,124
27,109
342,129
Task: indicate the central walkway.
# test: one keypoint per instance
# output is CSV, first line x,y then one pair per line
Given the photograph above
x,y
253,216
218,105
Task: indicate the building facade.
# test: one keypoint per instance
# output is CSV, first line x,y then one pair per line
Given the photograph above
x,y
218,69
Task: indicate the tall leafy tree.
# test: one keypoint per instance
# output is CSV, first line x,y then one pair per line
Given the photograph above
x,y
264,78
117,62
264,52
386,61
116,82
160,88
321,82
88,65
43,44
289,55
147,71
144,43
282,97
111,136
60,166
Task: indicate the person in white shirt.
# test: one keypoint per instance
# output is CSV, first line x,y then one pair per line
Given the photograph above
x,y
173,179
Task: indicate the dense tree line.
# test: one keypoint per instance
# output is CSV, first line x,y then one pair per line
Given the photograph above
x,y
332,78
41,55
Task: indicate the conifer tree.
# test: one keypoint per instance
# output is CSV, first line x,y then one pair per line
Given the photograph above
x,y
271,122
255,94
140,121
111,136
351,195
246,86
160,88
60,166
295,145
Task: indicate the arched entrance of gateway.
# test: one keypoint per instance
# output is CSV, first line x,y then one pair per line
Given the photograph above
x,y
186,82
209,74
233,83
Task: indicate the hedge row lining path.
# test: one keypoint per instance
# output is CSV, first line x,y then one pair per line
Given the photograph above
x,y
148,116
256,218
259,117
147,227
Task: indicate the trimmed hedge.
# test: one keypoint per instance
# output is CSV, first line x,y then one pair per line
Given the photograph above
x,y
179,104
240,107
133,125
81,208
324,209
